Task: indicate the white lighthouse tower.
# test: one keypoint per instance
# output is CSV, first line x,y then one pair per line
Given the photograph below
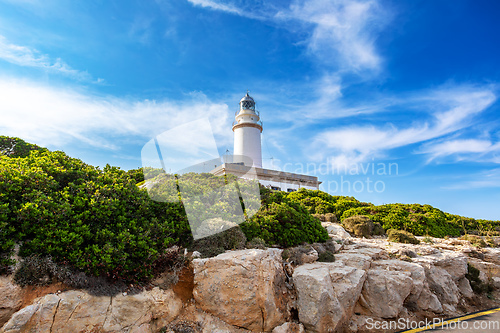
x,y
247,128
246,161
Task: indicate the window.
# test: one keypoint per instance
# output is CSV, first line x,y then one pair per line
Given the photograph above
x,y
291,190
275,188
248,105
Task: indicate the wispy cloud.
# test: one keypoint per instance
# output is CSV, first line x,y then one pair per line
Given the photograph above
x,y
343,32
339,33
216,5
451,109
484,179
29,57
476,150
59,116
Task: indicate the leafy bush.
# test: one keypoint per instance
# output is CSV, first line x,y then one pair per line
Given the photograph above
x,y
93,220
359,225
256,243
401,236
378,230
476,241
15,147
326,256
283,222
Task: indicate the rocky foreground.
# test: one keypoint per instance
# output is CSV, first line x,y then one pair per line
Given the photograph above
x,y
371,280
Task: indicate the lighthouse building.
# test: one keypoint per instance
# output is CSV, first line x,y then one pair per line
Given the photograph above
x,y
246,161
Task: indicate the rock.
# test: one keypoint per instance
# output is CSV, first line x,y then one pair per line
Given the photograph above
x,y
327,293
442,284
300,255
357,260
196,255
244,288
309,257
385,291
11,296
289,328
429,301
455,263
465,288
375,253
77,311
417,274
495,281
196,320
487,270
335,230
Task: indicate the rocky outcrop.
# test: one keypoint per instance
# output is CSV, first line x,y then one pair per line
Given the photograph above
x,y
11,297
77,311
335,230
244,288
257,291
327,293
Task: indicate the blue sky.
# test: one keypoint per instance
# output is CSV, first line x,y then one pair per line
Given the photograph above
x,y
341,86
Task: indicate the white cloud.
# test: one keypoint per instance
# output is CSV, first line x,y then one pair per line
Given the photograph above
x,y
484,179
58,117
216,6
451,110
463,149
341,33
27,57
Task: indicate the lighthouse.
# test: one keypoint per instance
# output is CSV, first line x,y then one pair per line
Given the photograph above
x,y
247,129
246,161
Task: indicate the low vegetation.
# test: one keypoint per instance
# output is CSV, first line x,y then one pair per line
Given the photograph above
x,y
401,236
73,218
362,226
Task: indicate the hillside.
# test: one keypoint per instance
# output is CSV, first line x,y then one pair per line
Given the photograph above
x,y
98,221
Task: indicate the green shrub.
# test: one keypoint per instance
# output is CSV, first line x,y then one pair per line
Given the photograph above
x,y
378,230
92,220
359,225
326,256
256,243
401,236
284,222
476,241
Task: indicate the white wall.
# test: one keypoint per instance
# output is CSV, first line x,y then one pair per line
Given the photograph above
x,y
247,143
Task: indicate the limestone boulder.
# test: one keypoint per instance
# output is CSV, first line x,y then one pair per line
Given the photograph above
x,y
428,301
465,288
454,263
11,296
244,288
442,284
77,311
335,230
488,270
327,293
495,281
492,255
417,275
385,291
